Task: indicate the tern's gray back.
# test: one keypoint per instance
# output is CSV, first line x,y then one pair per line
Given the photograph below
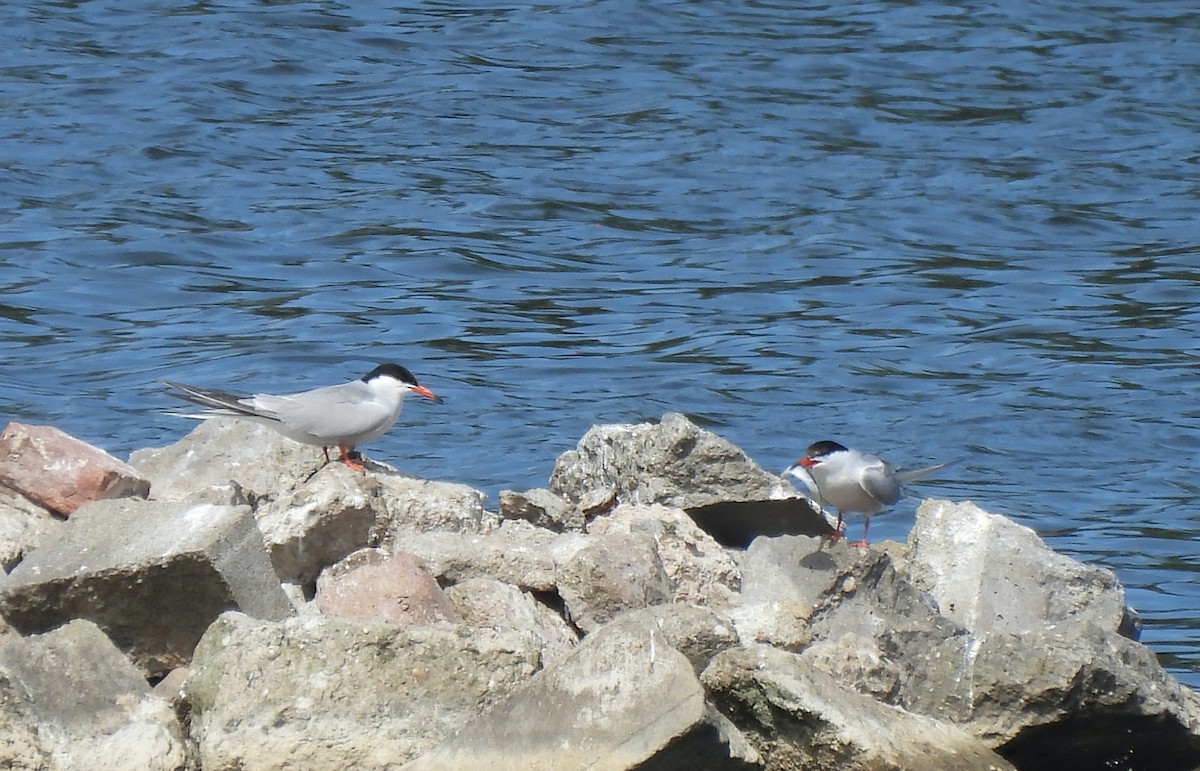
x,y
880,482
345,413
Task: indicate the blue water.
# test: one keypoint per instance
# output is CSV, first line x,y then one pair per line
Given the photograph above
x,y
937,232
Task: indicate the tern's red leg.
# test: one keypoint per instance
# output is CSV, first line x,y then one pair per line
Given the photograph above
x,y
351,462
839,531
326,451
863,543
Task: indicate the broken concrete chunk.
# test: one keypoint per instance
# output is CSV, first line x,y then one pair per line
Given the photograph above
x,y
315,525
613,573
697,569
227,462
417,504
491,604
541,508
326,693
23,524
517,553
674,462
624,699
799,717
988,574
152,575
90,706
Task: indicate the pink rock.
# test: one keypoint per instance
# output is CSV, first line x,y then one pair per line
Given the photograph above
x,y
371,584
60,472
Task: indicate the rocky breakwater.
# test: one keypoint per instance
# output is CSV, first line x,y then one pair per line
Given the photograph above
x,y
224,603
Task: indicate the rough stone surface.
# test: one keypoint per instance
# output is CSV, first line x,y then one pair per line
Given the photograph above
x,y
1064,700
1097,703
6,630
491,604
373,584
1075,679
799,717
989,574
624,698
792,567
318,523
883,635
170,688
21,746
674,463
782,623
613,573
60,472
697,569
89,707
311,513
595,502
23,524
869,597
153,576
410,504
698,633
784,579
517,553
316,693
857,662
542,508
233,462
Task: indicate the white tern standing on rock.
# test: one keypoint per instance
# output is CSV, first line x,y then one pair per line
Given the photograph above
x,y
851,482
339,416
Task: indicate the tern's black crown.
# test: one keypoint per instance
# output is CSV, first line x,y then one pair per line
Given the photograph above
x,y
393,371
822,448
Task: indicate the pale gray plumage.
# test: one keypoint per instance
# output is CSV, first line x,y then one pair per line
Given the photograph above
x,y
342,415
852,482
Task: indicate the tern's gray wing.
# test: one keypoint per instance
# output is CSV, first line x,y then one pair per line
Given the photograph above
x,y
909,476
218,403
879,480
337,413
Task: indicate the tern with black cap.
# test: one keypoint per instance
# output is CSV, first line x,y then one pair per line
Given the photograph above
x,y
852,482
342,416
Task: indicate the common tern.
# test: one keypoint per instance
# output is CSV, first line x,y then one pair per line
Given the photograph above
x,y
851,482
341,416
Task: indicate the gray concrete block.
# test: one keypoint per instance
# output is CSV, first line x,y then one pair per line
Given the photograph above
x,y
87,705
152,575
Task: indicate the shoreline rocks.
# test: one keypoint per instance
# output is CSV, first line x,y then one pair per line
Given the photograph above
x,y
664,603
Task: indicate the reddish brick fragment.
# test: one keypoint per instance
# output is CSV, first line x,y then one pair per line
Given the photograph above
x,y
60,472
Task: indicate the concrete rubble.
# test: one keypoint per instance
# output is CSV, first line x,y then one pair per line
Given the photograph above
x,y
152,575
664,603
72,700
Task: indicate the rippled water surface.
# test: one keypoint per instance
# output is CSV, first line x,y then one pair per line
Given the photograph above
x,y
938,232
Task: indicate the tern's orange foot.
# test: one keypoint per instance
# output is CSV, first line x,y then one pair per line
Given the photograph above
x,y
348,457
860,544
838,533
